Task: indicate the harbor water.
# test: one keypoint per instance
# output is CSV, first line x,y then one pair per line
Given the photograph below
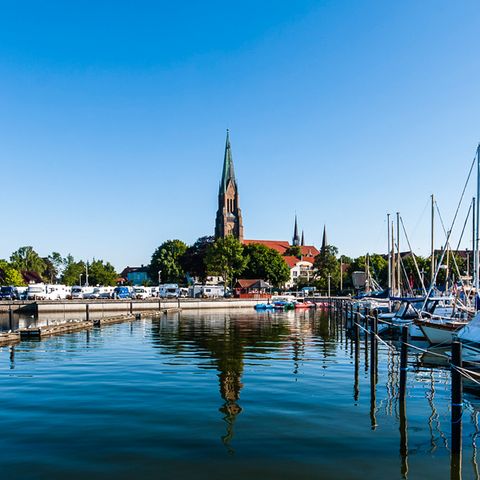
x,y
225,394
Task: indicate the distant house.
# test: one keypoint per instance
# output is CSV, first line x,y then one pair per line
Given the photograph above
x,y
300,267
255,288
135,275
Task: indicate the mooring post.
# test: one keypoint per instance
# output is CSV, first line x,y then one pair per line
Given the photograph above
x,y
356,333
87,312
131,308
457,398
10,318
403,363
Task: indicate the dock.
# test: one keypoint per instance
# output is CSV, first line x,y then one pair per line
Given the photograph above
x,y
75,326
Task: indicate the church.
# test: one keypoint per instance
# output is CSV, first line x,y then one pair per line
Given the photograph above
x,y
229,221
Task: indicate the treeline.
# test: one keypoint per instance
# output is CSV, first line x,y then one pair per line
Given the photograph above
x,y
25,263
225,257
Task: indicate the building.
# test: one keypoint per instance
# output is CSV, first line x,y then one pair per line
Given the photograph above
x,y
229,222
229,216
135,275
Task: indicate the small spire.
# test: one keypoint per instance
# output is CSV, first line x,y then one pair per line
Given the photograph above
x,y
302,243
324,240
296,238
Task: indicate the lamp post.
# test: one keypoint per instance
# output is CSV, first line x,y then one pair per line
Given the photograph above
x,y
86,274
159,277
329,276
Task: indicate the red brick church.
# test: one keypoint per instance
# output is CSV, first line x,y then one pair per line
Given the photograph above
x,y
229,222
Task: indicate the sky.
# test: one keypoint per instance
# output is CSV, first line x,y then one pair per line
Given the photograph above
x,y
113,117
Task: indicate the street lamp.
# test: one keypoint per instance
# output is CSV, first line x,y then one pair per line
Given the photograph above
x,y
159,277
329,276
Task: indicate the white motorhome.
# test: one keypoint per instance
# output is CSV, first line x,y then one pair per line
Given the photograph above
x,y
100,292
169,290
36,291
56,292
207,291
141,293
81,292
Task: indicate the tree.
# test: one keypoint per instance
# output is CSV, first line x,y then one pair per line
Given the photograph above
x,y
378,268
54,265
294,251
266,263
27,259
100,273
225,257
73,270
193,260
166,259
9,275
327,266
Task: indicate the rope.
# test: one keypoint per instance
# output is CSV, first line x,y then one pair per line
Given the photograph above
x,y
450,231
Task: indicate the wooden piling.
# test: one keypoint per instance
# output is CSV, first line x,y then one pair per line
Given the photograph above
x,y
87,312
10,318
403,363
457,398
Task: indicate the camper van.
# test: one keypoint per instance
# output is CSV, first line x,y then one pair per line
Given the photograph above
x,y
100,292
36,291
169,290
122,292
141,293
81,292
207,291
56,292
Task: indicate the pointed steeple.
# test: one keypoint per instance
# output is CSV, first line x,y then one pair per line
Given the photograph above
x,y
302,243
229,215
324,240
228,172
296,238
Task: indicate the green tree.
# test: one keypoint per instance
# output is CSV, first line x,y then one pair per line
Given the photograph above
x,y
327,265
225,257
378,268
166,259
9,275
72,272
266,263
294,251
102,273
193,260
27,259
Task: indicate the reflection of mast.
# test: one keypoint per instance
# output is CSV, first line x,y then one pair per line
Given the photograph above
x,y
474,444
403,438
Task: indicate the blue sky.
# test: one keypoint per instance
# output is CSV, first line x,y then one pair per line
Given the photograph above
x,y
113,118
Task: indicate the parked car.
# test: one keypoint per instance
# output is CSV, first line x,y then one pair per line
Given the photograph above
x,y
9,293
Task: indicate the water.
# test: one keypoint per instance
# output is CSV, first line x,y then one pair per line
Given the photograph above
x,y
222,394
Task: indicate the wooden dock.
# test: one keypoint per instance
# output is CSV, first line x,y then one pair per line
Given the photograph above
x,y
75,326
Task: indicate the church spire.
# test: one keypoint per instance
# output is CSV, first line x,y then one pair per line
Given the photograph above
x,y
296,237
324,240
302,243
228,173
229,216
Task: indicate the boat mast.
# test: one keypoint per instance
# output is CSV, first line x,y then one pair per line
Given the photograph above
x,y
432,243
389,257
399,284
477,221
473,239
392,256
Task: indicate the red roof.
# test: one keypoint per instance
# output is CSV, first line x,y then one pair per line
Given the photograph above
x,y
281,246
292,261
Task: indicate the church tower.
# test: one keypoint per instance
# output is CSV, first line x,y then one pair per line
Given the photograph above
x,y
229,216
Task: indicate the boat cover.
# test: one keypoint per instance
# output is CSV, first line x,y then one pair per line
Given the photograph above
x,y
471,331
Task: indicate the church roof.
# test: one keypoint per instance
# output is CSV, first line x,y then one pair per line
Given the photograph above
x,y
228,173
281,246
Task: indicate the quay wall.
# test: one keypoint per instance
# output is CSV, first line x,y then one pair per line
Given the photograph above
x,y
124,306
